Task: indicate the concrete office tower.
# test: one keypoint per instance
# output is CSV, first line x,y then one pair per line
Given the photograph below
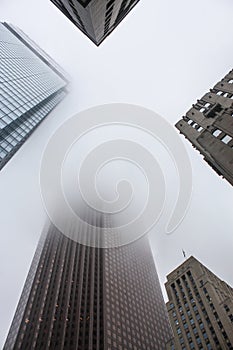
x,y
200,308
95,18
31,85
208,125
83,298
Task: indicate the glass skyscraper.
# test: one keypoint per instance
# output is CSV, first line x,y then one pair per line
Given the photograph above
x,y
31,85
78,297
95,18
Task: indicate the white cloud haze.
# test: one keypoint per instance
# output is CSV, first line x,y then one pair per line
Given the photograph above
x,y
163,56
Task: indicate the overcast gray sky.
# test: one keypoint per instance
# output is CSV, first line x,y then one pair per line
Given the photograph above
x,y
163,56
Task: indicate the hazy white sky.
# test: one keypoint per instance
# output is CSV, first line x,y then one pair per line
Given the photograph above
x,y
163,56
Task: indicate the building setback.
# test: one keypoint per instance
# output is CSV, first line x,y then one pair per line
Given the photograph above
x,y
31,85
84,298
208,125
200,308
95,18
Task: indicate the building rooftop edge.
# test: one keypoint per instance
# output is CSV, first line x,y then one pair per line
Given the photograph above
x,y
37,50
182,265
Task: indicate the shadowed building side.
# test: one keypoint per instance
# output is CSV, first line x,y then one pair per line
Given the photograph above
x,y
95,18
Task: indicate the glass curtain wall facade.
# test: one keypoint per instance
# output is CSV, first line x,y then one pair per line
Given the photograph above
x,y
30,87
82,298
95,18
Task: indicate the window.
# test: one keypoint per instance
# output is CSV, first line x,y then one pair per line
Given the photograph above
x,y
217,132
226,139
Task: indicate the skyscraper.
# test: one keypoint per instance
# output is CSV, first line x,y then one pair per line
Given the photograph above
x,y
208,125
200,308
80,297
31,85
95,18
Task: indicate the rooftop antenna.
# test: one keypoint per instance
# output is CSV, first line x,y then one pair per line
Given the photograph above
x,y
184,253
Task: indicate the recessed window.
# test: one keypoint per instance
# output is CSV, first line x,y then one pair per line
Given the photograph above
x,y
226,139
217,132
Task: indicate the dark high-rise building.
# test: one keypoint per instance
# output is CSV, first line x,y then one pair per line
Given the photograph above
x,y
84,298
95,18
31,85
200,308
208,125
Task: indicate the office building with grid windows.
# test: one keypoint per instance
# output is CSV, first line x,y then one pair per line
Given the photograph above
x,y
208,125
200,308
80,297
31,85
95,18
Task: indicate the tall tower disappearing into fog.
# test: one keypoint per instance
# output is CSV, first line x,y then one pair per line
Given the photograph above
x,y
208,125
200,308
95,18
31,85
82,298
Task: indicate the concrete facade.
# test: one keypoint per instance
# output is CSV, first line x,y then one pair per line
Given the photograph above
x,y
200,308
208,125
